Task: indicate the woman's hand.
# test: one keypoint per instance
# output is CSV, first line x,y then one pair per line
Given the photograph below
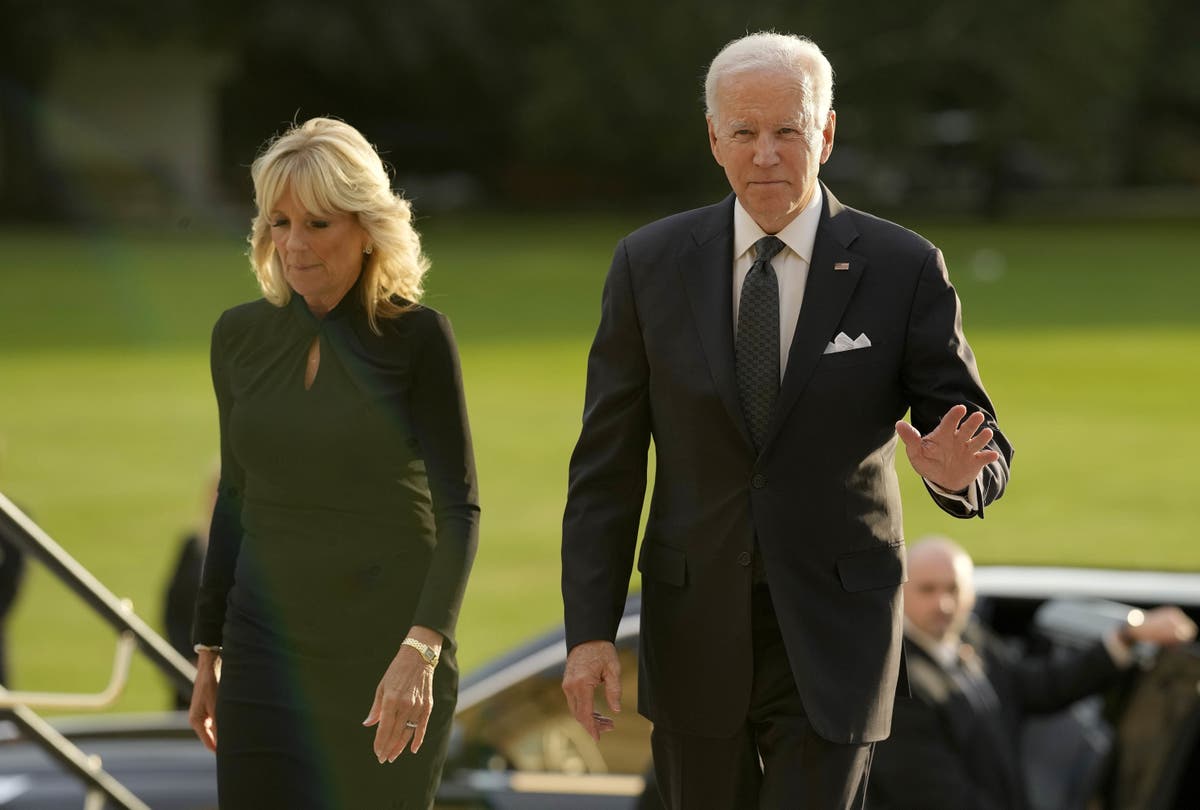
x,y
202,714
404,699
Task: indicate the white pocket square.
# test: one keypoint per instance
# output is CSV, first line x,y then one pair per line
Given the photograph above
x,y
843,343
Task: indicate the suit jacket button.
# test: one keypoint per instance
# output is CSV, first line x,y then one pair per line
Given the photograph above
x,y
758,481
744,559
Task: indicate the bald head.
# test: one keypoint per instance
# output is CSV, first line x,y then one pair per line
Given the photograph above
x,y
940,592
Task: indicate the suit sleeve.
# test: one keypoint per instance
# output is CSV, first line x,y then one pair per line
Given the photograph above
x,y
1048,683
918,768
607,480
225,533
940,372
439,411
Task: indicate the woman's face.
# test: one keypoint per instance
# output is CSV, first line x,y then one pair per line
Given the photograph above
x,y
322,255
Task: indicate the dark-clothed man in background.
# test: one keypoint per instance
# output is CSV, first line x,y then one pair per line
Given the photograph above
x,y
955,744
769,345
12,573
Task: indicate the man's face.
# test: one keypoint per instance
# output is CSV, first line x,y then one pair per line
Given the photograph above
x,y
760,134
939,594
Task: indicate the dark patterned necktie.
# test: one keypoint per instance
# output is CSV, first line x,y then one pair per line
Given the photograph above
x,y
756,349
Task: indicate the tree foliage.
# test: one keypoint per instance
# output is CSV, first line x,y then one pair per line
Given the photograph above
x,y
558,101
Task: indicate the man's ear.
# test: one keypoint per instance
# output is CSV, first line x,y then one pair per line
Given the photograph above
x,y
712,141
827,136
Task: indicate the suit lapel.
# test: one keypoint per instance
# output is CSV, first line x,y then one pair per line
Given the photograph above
x,y
833,275
706,267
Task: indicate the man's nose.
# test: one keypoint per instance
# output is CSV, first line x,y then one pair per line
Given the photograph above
x,y
946,604
765,151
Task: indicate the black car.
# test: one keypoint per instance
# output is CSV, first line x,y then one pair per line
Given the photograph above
x,y
516,746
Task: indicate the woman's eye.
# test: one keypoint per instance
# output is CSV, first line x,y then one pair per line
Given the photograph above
x,y
320,223
279,223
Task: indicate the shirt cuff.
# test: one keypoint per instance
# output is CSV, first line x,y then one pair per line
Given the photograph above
x,y
969,499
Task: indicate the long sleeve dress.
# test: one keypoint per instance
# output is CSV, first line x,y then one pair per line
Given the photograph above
x,y
347,512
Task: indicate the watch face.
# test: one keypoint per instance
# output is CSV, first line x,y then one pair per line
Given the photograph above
x,y
428,654
424,650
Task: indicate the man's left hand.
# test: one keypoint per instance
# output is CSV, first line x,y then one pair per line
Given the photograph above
x,y
592,664
953,453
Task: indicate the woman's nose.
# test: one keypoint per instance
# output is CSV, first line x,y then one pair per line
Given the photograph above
x,y
295,240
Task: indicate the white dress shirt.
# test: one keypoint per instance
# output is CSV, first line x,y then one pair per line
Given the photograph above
x,y
791,270
791,264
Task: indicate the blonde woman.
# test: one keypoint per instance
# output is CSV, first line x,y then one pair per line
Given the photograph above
x,y
347,513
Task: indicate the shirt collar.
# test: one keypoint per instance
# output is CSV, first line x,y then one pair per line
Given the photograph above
x,y
798,235
945,653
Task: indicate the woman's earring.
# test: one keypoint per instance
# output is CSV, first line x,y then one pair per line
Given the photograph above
x,y
367,250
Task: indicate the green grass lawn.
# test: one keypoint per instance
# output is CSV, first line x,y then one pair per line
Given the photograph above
x,y
1086,335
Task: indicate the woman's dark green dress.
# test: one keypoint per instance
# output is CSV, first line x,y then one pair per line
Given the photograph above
x,y
347,512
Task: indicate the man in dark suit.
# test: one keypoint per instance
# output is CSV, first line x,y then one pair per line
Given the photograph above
x,y
954,744
769,344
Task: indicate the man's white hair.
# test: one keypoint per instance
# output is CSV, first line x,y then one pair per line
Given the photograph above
x,y
784,53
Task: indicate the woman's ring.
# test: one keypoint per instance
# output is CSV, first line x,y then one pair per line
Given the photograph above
x,y
409,724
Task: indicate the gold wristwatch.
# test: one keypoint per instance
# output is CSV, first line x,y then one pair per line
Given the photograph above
x,y
428,654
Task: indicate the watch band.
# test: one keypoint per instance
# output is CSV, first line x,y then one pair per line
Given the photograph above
x,y
427,653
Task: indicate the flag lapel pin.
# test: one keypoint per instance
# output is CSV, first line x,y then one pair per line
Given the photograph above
x,y
841,265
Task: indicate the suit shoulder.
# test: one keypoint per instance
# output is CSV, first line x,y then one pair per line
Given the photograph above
x,y
928,681
683,225
885,234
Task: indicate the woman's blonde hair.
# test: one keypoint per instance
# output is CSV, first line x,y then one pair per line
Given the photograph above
x,y
331,168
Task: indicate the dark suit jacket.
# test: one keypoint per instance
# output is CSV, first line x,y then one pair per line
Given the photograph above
x,y
946,753
821,497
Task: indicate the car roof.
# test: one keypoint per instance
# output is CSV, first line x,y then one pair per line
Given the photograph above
x,y
1062,582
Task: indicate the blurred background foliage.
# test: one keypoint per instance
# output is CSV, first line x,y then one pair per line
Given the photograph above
x,y
954,106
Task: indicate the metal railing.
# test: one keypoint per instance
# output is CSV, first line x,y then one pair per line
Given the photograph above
x,y
133,634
